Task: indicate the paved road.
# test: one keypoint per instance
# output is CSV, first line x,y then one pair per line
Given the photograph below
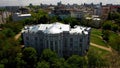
x,y
101,47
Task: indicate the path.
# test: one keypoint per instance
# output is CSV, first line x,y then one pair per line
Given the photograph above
x,y
101,47
17,36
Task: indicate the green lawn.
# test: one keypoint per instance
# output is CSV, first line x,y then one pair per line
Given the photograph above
x,y
100,51
113,35
96,37
96,32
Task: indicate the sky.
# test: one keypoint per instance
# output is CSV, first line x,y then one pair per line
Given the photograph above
x,y
37,2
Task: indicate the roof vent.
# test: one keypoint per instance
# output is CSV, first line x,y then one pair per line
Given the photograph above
x,y
60,28
46,27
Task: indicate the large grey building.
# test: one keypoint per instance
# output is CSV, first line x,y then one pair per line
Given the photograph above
x,y
61,38
19,16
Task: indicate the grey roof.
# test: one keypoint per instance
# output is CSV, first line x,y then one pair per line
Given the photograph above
x,y
56,28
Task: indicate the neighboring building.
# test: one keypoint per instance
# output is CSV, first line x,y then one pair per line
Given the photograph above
x,y
62,13
3,16
97,10
105,12
61,38
94,21
114,8
77,14
19,16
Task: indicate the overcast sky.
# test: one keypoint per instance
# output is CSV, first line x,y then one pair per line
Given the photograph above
x,y
27,2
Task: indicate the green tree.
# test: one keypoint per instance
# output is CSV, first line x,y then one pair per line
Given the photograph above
x,y
53,19
107,25
115,43
113,15
114,27
58,63
43,19
40,16
29,56
95,60
20,63
71,21
43,64
76,61
48,55
8,32
105,35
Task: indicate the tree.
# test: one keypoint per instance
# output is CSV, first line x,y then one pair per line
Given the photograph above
x,y
29,56
77,61
114,27
115,43
20,63
58,63
118,10
105,35
107,25
72,21
48,55
113,15
28,21
43,19
53,19
95,60
40,16
43,64
51,57
8,32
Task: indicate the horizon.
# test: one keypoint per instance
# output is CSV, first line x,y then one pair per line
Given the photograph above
x,y
54,2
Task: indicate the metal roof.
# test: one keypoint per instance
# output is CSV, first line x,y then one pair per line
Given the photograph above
x,y
56,28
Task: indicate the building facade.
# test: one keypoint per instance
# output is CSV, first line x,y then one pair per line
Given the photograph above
x,y
19,16
61,38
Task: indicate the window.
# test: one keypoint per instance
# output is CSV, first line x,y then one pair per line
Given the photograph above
x,y
71,39
47,45
80,44
71,45
65,42
51,45
56,46
80,39
27,38
55,43
35,38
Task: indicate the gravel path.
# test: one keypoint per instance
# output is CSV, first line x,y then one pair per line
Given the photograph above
x,y
101,47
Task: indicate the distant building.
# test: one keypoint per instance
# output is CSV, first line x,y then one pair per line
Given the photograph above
x,y
95,21
97,9
62,13
77,14
61,38
19,16
3,16
105,11
114,8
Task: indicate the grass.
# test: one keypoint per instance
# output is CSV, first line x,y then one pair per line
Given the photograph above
x,y
96,31
96,37
113,35
100,51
